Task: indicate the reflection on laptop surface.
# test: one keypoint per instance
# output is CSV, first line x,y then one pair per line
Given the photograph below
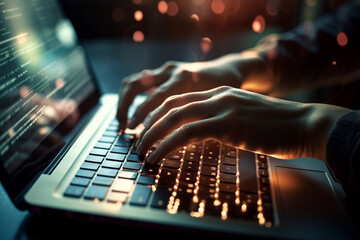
x,y
60,149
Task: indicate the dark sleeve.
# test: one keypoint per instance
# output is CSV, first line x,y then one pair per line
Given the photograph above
x,y
314,54
343,151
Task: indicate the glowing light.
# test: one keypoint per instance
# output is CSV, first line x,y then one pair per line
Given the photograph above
x,y
206,44
118,14
138,15
24,91
334,63
21,39
138,36
224,211
195,17
342,39
44,130
218,6
258,25
162,7
59,83
173,9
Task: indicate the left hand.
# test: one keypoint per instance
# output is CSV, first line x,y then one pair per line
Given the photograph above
x,y
240,118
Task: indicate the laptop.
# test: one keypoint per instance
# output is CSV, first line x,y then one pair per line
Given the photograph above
x,y
61,152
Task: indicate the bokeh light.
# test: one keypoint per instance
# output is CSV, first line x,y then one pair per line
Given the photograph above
x,y
162,7
138,36
258,25
173,9
206,44
118,14
138,15
195,17
342,39
218,6
137,2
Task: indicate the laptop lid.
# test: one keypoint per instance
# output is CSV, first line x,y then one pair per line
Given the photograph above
x,y
46,87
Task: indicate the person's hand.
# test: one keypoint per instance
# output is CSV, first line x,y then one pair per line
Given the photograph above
x,y
242,119
177,78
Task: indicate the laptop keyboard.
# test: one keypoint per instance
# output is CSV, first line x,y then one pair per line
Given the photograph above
x,y
204,178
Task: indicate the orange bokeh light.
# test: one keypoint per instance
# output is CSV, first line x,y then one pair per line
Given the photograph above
x,y
218,6
138,36
195,17
342,39
162,7
258,25
138,15
206,44
173,9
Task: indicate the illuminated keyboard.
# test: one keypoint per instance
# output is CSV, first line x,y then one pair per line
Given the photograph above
x,y
202,179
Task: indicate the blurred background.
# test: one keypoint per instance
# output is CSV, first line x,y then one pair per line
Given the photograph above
x,y
126,36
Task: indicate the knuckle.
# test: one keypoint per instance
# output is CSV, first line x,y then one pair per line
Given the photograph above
x,y
185,130
170,65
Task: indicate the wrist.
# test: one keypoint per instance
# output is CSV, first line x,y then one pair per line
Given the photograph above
x,y
320,121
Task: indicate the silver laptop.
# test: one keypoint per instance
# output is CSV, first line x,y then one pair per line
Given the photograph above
x,y
60,151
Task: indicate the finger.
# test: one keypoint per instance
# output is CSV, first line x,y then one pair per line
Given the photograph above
x,y
132,86
170,103
190,132
172,120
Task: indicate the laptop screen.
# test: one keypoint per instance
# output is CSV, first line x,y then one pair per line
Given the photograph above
x,y
44,82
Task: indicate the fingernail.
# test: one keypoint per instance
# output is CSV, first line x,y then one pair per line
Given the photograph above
x,y
151,158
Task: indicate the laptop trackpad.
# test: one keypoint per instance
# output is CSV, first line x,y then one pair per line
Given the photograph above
x,y
306,194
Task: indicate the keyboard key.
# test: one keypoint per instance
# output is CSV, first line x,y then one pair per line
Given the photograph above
x,y
191,166
207,181
107,139
228,169
127,137
263,173
227,187
104,181
90,166
145,180
103,145
85,173
228,161
227,178
161,198
96,192
98,152
172,163
123,150
116,197
140,195
110,134
112,164
74,191
128,175
175,155
132,166
116,156
189,177
80,181
208,170
107,172
134,158
247,169
210,160
94,159
122,143
123,185
192,156
150,170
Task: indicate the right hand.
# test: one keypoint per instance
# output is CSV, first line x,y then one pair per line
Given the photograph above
x,y
175,78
